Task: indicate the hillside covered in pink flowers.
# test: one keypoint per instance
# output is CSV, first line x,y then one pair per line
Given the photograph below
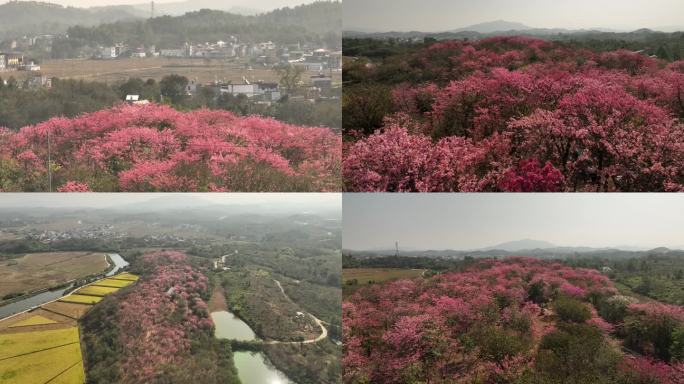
x,y
156,148
514,114
518,320
158,331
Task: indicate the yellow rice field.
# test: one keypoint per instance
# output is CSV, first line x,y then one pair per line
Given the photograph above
x,y
35,320
40,367
95,290
73,375
15,344
81,299
125,276
113,283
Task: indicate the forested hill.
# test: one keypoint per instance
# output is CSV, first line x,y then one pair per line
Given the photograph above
x,y
319,21
34,18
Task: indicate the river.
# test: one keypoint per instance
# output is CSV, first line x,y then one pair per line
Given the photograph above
x,y
253,367
48,296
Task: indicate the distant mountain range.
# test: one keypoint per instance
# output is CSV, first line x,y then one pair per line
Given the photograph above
x,y
29,17
525,247
38,18
498,27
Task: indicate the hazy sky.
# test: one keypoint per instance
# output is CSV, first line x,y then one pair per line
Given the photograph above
x,y
440,15
255,4
107,200
469,221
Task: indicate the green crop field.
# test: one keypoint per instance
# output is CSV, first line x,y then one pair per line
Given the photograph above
x,y
366,275
41,366
15,344
81,299
94,290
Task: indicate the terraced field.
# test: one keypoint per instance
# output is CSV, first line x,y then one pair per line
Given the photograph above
x,y
42,346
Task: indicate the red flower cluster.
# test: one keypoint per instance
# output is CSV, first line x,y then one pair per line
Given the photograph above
x,y
491,110
156,148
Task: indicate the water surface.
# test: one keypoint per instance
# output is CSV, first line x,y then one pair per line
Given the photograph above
x,y
253,367
229,326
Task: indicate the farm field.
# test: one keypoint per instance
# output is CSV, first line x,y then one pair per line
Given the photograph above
x,y
43,345
81,299
95,290
355,278
114,283
200,70
43,270
41,366
367,275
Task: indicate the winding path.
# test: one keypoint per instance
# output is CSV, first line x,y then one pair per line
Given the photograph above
x,y
324,330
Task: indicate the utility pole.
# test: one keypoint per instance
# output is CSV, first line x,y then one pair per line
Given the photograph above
x,y
396,246
152,10
49,162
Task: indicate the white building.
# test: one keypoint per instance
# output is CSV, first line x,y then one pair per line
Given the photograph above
x,y
108,52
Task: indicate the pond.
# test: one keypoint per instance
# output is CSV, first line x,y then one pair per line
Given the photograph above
x,y
229,326
119,263
253,367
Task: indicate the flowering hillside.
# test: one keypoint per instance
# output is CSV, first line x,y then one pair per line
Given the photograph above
x,y
159,331
514,321
156,148
522,114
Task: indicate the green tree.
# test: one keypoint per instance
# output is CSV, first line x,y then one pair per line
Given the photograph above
x,y
174,87
571,310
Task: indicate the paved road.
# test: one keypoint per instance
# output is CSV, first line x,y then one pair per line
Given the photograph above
x,y
324,330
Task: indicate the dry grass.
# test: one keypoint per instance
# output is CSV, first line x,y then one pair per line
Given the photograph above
x,y
43,270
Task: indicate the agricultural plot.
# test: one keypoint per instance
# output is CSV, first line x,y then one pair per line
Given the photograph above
x,y
369,275
113,283
43,270
41,366
124,276
72,310
34,320
19,344
81,299
201,70
94,290
73,375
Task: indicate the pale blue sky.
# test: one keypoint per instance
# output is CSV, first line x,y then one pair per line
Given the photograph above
x,y
469,221
439,15
255,4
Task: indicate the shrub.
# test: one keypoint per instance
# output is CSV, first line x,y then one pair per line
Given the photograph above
x,y
571,310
